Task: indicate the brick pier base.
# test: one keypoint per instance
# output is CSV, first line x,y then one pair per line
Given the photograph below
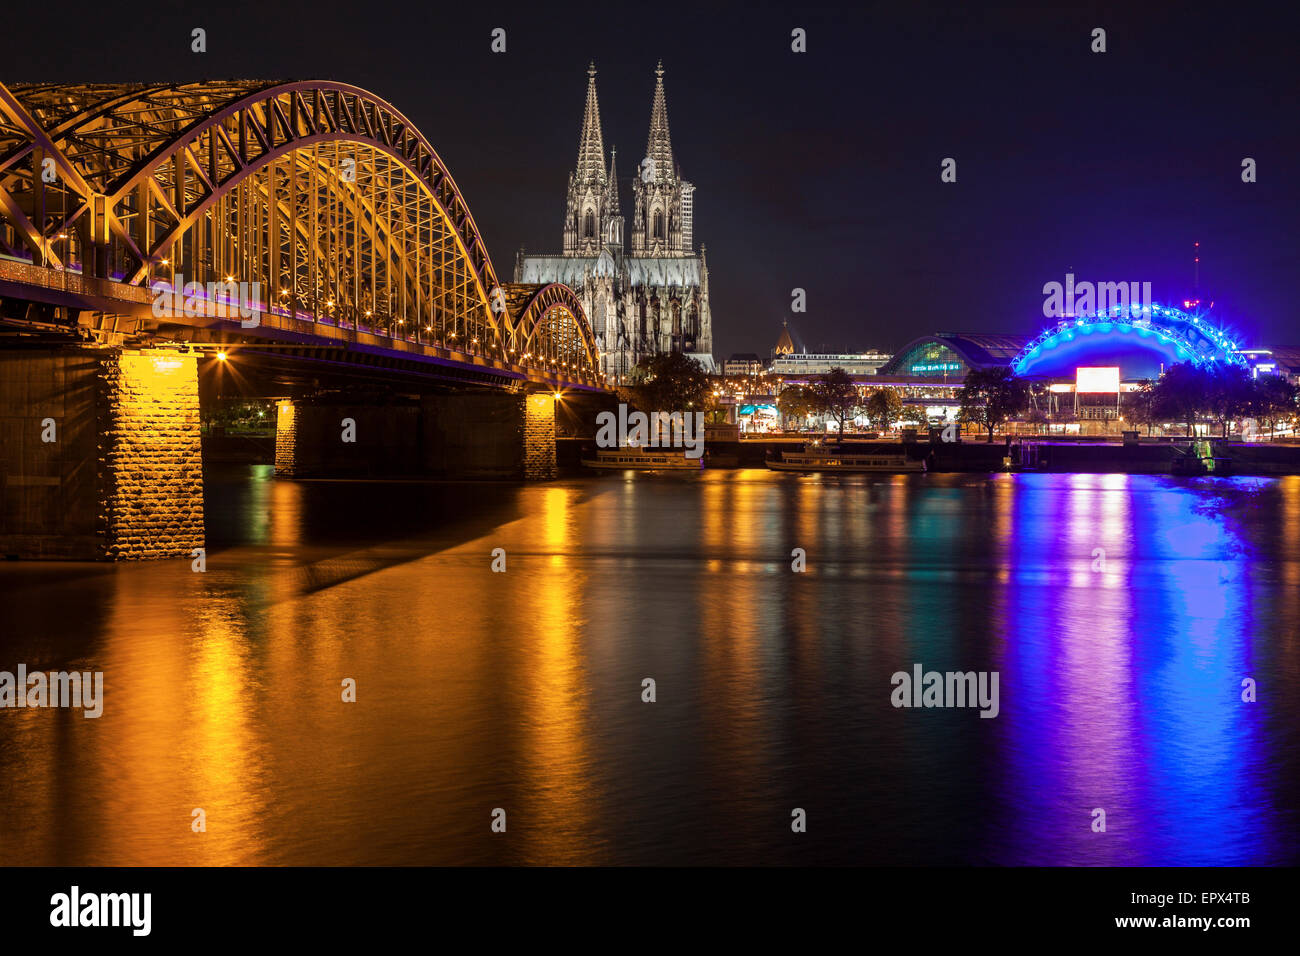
x,y
539,437
100,455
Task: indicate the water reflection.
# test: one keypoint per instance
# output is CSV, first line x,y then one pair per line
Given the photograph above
x,y
1122,613
1128,678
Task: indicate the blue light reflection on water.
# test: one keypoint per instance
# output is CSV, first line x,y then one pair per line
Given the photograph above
x,y
1125,669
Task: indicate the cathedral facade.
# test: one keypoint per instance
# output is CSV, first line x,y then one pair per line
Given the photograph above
x,y
647,291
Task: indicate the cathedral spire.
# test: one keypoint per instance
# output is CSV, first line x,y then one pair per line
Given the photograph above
x,y
659,147
611,207
591,144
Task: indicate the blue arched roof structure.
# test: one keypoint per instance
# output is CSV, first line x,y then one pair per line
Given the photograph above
x,y
1140,344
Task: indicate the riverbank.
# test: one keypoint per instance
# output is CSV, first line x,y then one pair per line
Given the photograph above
x,y
1148,457
1152,457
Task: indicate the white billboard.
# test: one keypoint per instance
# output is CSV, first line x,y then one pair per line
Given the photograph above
x,y
1097,379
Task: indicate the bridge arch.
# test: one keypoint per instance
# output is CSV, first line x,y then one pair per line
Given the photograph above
x,y
549,325
320,194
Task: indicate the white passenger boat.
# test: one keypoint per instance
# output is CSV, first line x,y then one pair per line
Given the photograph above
x,y
829,460
643,459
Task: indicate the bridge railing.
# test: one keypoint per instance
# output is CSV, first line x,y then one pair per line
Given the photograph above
x,y
67,280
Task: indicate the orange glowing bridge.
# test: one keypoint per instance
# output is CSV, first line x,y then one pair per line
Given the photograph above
x,y
306,220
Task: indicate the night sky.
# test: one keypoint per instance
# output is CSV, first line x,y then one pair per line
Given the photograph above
x,y
818,170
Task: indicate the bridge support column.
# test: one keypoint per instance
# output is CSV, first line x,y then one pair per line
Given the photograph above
x,y
286,440
100,455
481,434
539,436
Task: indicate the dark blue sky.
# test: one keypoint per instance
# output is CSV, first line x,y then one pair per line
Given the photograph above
x,y
821,170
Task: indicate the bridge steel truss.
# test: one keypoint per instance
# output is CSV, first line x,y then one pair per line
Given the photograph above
x,y
318,195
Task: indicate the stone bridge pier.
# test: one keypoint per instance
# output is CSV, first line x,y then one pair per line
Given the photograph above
x,y
471,434
100,454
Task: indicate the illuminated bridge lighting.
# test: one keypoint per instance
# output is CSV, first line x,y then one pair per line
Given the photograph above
x,y
223,180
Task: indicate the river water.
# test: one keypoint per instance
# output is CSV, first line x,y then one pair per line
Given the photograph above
x,y
1121,614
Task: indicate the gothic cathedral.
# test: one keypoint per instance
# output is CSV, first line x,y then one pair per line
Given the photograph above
x,y
653,297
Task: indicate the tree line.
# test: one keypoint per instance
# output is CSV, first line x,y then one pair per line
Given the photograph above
x,y
1186,393
835,394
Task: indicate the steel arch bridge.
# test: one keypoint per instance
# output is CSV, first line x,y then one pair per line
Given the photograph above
x,y
320,196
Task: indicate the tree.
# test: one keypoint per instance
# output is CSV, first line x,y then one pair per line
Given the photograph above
x,y
990,396
797,402
884,407
1231,394
915,415
671,382
1272,399
1140,405
837,395
1280,399
1183,394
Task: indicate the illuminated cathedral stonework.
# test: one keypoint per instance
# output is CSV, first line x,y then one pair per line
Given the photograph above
x,y
650,294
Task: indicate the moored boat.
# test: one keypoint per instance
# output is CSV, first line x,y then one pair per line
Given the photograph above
x,y
829,460
643,459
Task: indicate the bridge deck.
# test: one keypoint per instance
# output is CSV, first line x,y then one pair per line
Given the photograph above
x,y
118,312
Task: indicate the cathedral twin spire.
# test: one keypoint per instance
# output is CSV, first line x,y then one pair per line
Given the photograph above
x,y
592,216
659,145
646,292
591,145
663,202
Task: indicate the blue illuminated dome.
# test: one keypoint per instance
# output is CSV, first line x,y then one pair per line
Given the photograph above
x,y
1140,344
